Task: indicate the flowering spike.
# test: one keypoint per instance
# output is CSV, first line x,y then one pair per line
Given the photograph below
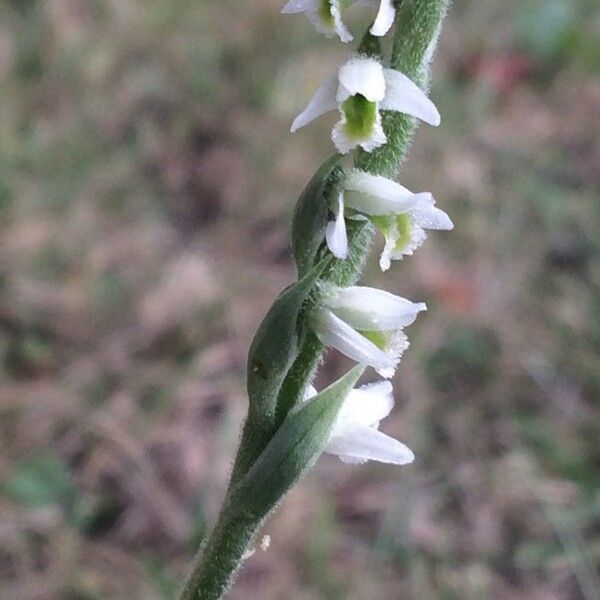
x,y
283,436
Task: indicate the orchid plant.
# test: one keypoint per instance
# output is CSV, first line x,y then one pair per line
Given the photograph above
x,y
290,424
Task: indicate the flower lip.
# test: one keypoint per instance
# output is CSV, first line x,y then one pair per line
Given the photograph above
x,y
345,140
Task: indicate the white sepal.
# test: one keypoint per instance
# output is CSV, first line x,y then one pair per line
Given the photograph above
x,y
367,308
428,216
377,195
384,19
358,444
335,332
335,233
405,96
322,102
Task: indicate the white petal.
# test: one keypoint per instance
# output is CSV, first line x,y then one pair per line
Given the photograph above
x,y
335,233
428,216
334,332
384,19
377,195
405,96
300,6
367,443
363,76
366,405
322,102
367,308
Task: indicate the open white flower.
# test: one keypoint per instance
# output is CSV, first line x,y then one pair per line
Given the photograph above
x,y
355,437
366,324
401,215
361,89
326,16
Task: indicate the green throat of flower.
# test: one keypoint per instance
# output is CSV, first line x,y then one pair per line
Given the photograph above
x,y
403,226
379,338
397,228
325,14
361,116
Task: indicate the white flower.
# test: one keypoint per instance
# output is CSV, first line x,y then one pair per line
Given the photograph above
x,y
366,325
401,215
355,437
363,87
326,16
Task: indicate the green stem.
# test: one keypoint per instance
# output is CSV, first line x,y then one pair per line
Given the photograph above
x,y
417,23
220,557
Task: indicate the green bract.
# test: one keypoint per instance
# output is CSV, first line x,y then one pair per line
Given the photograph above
x,y
294,448
272,353
310,215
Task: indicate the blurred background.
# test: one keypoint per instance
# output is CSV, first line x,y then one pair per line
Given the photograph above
x,y
147,181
